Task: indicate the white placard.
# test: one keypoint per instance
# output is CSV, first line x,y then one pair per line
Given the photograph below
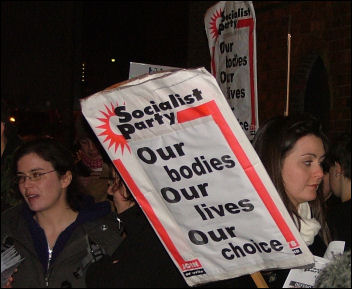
x,y
231,30
138,69
180,150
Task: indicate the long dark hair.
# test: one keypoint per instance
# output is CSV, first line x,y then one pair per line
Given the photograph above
x,y
272,143
61,159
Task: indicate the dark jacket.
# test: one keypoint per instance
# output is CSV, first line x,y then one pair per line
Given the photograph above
x,y
142,261
339,221
94,233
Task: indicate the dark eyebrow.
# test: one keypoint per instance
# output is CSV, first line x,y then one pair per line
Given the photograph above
x,y
314,155
309,154
32,170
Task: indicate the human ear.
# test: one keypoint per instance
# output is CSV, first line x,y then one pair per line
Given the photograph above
x,y
338,170
66,179
116,186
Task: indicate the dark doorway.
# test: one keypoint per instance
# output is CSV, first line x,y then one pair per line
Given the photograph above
x,y
317,94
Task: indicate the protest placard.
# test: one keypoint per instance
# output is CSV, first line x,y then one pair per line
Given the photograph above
x,y
231,30
137,69
180,150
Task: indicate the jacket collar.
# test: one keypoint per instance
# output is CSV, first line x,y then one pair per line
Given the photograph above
x,y
89,212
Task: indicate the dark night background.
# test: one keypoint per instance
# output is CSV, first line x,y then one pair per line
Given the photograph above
x,y
44,45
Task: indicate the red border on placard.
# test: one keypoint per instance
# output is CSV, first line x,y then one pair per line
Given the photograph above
x,y
211,109
249,22
208,109
148,210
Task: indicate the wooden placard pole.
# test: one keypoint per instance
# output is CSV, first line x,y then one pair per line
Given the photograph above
x,y
259,280
288,66
288,73
257,276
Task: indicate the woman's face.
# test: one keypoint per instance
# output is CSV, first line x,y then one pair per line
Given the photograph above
x,y
49,190
302,172
89,148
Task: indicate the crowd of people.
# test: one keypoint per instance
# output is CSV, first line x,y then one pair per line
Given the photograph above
x,y
70,215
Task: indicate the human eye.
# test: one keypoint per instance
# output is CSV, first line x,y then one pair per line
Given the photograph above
x,y
36,175
308,163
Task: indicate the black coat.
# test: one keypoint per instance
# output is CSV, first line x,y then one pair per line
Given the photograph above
x,y
339,221
142,261
95,230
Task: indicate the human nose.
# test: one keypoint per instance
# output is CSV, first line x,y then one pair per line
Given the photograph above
x,y
27,181
318,172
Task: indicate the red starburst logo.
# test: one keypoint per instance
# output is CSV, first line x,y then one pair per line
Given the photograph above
x,y
213,26
111,134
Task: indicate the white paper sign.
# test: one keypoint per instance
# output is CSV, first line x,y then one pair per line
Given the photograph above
x,y
334,249
305,278
137,69
231,30
191,168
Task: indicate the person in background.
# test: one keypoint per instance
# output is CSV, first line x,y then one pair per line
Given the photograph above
x,y
292,150
339,216
326,189
91,162
141,261
57,230
9,142
330,200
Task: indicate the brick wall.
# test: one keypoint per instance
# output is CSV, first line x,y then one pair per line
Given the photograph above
x,y
318,29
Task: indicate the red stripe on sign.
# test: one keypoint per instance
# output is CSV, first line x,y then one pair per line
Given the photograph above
x,y
211,109
250,23
184,265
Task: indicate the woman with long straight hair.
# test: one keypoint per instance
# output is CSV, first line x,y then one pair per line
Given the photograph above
x,y
292,150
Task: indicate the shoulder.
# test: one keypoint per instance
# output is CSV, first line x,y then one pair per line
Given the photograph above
x,y
105,231
12,214
11,220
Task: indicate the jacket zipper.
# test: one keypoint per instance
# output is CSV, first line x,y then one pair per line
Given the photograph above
x,y
50,253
